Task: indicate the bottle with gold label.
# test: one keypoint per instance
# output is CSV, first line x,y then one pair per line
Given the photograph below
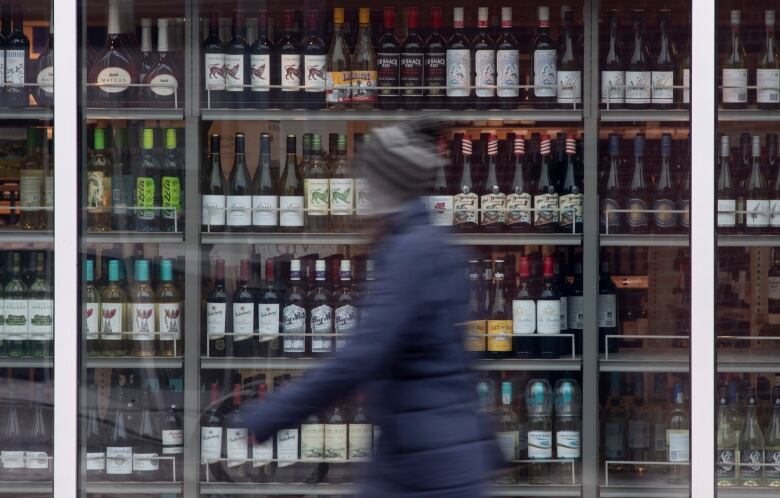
x,y
475,323
337,76
99,186
363,74
499,322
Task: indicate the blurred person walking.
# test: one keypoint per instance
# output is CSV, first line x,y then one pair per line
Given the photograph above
x,y
408,358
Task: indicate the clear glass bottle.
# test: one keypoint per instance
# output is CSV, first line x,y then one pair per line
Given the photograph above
x,y
568,428
751,447
768,68
772,446
342,190
508,434
31,183
727,443
734,76
171,311
91,321
143,310
41,311
363,67
538,398
678,440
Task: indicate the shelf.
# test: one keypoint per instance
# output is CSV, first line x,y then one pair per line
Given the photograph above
x,y
740,492
26,487
646,492
748,240
497,239
134,237
747,115
26,237
650,240
259,363
750,360
133,114
531,365
632,115
134,488
346,489
8,362
644,361
41,114
134,362
552,115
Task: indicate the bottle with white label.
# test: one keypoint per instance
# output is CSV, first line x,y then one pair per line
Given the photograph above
x,y
294,315
164,75
213,65
262,451
524,314
235,442
459,73
678,439
243,315
568,426
548,312
756,193
607,309
16,310
120,443
211,433
568,67
638,74
440,198
360,439
291,192
147,447
111,72
312,447
508,434
38,436
112,318
236,69
342,189
44,73
91,320
239,192
320,323
726,191
507,63
613,71
41,311
315,55
143,312
492,200
172,437
290,60
316,186
544,57
268,313
95,437
219,345
261,75
170,311
768,68
663,64
336,445
265,198
538,399
735,70
345,311
17,62
484,62
213,190
773,165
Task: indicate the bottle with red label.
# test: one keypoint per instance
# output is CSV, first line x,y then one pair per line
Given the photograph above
x,y
388,61
412,59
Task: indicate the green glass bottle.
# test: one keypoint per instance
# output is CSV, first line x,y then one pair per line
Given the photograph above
x,y
99,189
342,189
91,311
16,309
316,188
169,306
143,331
113,304
41,311
147,187
172,185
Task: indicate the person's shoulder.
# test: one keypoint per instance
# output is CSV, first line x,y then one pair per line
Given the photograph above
x,y
424,244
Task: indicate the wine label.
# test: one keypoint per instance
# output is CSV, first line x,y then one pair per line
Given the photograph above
x,y
440,210
146,462
726,467
259,71
291,211
173,441
339,79
36,460
518,209
475,339
493,209
91,312
576,312
144,323
2,318
210,444
215,319
111,80
508,73
546,209
312,441
663,83
48,190
98,189
290,72
317,193
571,209
613,89
96,461
567,444
638,215
772,471
678,447
757,213
466,208
388,74
735,86
262,453
243,320
213,210
638,434
264,210
45,80
523,317
614,441
314,73
548,317
359,440
145,188
435,73
607,309
268,321
564,312
171,197
122,194
773,290
545,79
239,210
236,446
509,444
170,321
485,72
727,216
412,74
16,316
346,319
686,86
638,87
774,212
458,73
286,447
164,85
293,322
569,87
342,196
30,183
610,222
111,321
499,336
321,322
663,217
12,459
363,196
119,460
214,67
41,313
335,441
363,85
539,444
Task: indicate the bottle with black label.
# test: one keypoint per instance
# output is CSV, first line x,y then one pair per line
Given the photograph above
x,y
216,315
637,201
315,55
243,314
434,71
484,62
388,63
507,63
412,59
663,196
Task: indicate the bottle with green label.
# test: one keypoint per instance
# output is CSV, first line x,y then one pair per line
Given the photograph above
x,y
316,190
342,190
147,187
122,181
91,320
142,312
16,309
41,311
99,191
172,185
113,304
169,307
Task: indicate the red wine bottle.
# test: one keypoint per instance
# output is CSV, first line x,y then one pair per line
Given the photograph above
x,y
412,63
388,63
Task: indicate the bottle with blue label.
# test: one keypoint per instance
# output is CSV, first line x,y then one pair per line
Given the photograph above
x,y
568,428
538,398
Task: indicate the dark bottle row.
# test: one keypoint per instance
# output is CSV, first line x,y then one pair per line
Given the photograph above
x,y
23,78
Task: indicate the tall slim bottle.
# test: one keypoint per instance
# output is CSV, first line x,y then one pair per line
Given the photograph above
x,y
41,311
493,200
756,193
91,321
548,312
638,74
768,68
613,71
734,76
148,195
412,63
612,193
638,192
213,64
568,66
314,61
751,447
243,314
291,194
262,451
440,199
172,185
219,345
363,67
113,70
113,306
17,63
726,192
44,73
16,309
120,443
338,75
544,59
99,191
170,311
237,65
434,74
538,399
239,192
459,64
147,447
262,66
546,203
663,194
289,51
320,323
213,190
211,434
663,64
772,446
237,467
265,197
519,201
499,317
388,63
95,436
727,444
142,311
678,438
31,183
607,308
571,200
568,426
294,315
163,74
466,201
316,185
484,62
122,183
508,433
342,190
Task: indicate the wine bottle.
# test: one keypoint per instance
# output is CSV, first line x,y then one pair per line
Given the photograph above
x,y
548,312
735,73
638,75
44,71
262,451
459,73
268,316
265,199
518,202
122,182
314,61
243,314
508,433
359,438
493,200
727,202
95,439
751,446
568,426
239,193
16,302
576,308
756,193
147,448
571,200
507,63
213,64
142,310
17,63
237,468
466,201
768,68
663,201
211,432
613,74
484,62
363,66
291,199
260,66
662,76
524,314
312,448
220,345
499,317
342,190
336,445
113,303
774,192
388,63
568,67
90,323
163,75
237,73
41,311
727,441
120,443
440,198
99,191
546,215
294,315
213,191
638,192
170,310
338,75
147,186
538,394
289,51
316,185
113,70
435,64
544,59
320,323
772,446
171,183
172,438
607,308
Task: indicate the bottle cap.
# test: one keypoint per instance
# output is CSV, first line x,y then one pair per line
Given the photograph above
x,y
89,269
295,269
457,17
215,143
519,145
506,17
614,144
148,138
735,17
270,270
338,15
170,138
482,17
364,15
162,24
769,18
544,15
113,270
549,266
412,15
537,397
725,146
666,144
466,145
291,145
571,145
166,270
243,270
544,148
141,271
100,138
388,18
240,142
341,143
506,392
319,269
436,14
316,143
311,19
756,146
289,19
492,146
525,267
265,143
639,145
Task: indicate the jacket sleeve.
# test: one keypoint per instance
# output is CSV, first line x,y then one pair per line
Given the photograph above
x,y
366,356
